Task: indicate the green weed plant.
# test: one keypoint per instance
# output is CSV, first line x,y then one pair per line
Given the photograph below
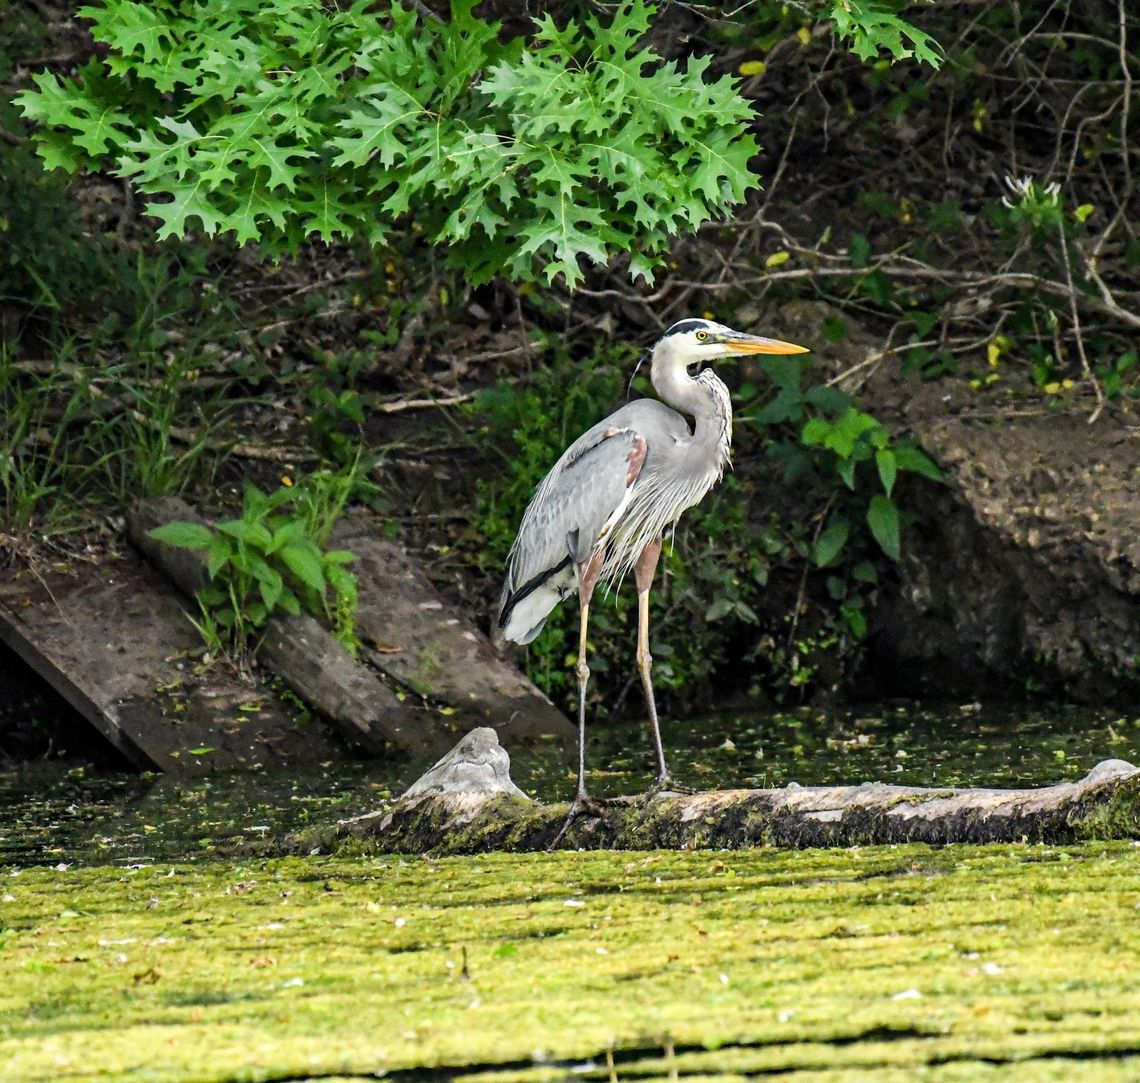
x,y
121,410
286,120
39,465
272,557
835,440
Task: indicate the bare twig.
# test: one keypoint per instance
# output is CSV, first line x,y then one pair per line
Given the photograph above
x,y
400,405
1085,367
944,275
1126,99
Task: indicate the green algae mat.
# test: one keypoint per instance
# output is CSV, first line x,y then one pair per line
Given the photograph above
x,y
885,964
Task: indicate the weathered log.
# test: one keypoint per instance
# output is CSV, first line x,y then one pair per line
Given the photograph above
x,y
303,654
466,804
410,637
316,666
416,639
114,641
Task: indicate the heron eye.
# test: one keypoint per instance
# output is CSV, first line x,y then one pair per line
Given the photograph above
x,y
702,335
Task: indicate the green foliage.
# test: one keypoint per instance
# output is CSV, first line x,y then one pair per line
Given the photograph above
x,y
39,466
273,557
149,450
47,259
716,596
118,414
850,454
286,120
837,439
1035,208
873,29
874,26
1113,374
854,438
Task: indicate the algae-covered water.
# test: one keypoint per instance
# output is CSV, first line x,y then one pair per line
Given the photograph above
x,y
56,813
891,964
148,931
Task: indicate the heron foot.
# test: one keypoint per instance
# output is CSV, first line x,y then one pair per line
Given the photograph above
x,y
581,806
665,785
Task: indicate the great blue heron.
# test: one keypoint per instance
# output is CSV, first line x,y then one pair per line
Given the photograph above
x,y
603,508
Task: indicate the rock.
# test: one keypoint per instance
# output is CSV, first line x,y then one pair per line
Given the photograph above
x,y
1027,571
476,767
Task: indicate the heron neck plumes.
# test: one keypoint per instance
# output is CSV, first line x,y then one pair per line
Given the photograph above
x,y
703,397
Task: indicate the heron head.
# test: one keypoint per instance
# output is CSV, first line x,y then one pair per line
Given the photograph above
x,y
695,340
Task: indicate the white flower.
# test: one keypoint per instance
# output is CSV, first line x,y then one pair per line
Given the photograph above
x,y
1026,188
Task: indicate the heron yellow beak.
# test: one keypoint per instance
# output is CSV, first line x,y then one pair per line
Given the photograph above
x,y
755,344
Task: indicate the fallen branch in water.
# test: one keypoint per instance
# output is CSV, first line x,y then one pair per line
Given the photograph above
x,y
467,804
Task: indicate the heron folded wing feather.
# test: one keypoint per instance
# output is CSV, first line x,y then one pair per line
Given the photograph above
x,y
573,509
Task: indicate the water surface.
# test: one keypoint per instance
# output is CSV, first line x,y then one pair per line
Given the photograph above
x,y
59,813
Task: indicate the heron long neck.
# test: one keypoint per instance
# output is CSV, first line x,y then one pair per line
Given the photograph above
x,y
704,398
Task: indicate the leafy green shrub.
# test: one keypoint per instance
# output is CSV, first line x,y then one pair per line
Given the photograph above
x,y
135,400
273,557
1113,374
874,26
283,120
842,442
46,260
715,596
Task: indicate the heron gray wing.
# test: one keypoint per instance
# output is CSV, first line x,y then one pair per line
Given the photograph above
x,y
574,507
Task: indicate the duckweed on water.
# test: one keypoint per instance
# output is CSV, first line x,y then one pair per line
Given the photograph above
x,y
51,815
884,963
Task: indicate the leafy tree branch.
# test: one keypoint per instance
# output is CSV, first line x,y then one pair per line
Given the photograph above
x,y
284,121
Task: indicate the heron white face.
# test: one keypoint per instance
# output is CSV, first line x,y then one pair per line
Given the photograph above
x,y
695,340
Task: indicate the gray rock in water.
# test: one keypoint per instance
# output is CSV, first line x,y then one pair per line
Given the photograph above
x,y
1107,769
477,766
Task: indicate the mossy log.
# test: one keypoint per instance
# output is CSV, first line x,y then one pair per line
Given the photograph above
x,y
467,803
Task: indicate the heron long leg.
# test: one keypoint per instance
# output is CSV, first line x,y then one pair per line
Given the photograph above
x,y
588,572
583,671
643,572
